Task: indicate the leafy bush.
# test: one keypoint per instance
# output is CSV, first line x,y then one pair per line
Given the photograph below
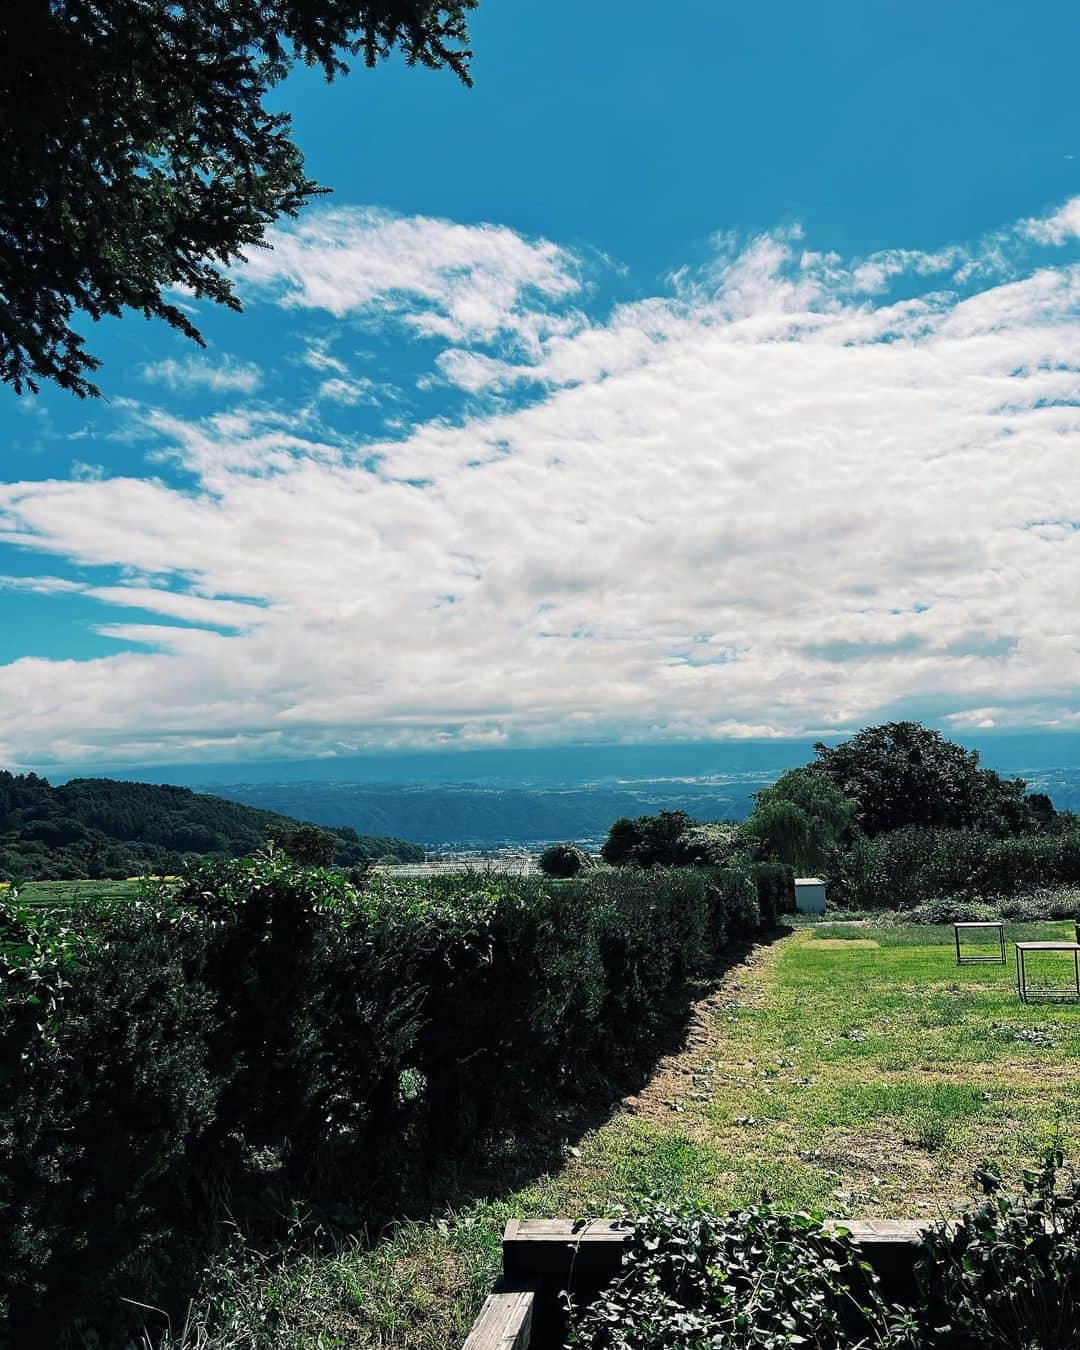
x,y
1047,903
564,860
259,1019
901,868
709,845
1006,1274
648,841
757,1278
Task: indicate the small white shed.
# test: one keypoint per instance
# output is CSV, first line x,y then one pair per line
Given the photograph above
x,y
810,895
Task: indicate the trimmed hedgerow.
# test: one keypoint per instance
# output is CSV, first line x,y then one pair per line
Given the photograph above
x,y
775,883
161,1055
905,867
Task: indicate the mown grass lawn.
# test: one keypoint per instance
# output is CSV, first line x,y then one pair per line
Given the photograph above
x,y
854,1068
847,1068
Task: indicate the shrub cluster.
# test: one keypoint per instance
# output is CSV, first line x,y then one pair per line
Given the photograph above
x,y
1040,906
901,867
1000,1275
564,860
1006,1272
753,1280
262,1021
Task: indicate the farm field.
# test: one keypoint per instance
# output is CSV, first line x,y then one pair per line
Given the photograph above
x,y
46,894
849,1068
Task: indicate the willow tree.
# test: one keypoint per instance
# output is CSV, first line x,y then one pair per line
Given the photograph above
x,y
140,158
801,820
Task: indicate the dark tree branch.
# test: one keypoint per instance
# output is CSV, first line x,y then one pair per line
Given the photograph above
x,y
138,155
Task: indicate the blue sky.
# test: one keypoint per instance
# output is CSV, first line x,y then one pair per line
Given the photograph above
x,y
710,380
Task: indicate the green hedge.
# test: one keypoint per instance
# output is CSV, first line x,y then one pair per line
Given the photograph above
x,y
775,883
162,1056
903,868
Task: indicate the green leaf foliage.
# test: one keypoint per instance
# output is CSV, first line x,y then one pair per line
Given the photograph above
x,y
898,817
1000,1275
1005,1275
564,860
903,868
764,889
140,156
648,841
902,773
692,1280
712,844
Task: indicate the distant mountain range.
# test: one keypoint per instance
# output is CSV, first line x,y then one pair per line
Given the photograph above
x,y
478,816
487,798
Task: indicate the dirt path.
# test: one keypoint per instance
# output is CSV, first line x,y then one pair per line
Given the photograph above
x,y
706,1053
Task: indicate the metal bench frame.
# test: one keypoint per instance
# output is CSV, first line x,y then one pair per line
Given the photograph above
x,y
1061,994
998,959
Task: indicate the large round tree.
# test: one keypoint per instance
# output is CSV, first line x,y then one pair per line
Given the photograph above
x,y
902,773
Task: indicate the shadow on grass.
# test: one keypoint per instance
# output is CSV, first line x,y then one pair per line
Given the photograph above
x,y
533,1138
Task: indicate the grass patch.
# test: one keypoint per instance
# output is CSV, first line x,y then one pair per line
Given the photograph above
x,y
841,943
417,1290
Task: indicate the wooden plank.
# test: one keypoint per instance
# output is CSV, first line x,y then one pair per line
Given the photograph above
x,y
567,1230
505,1321
871,1232
539,1235
544,1248
591,1252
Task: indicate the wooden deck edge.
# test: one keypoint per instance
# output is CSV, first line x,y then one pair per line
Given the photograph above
x,y
538,1248
505,1321
543,1256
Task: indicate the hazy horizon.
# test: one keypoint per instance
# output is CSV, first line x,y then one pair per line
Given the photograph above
x,y
552,765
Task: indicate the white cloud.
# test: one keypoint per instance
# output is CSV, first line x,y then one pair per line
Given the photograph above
x,y
348,391
1057,228
874,274
40,585
762,504
188,608
217,374
317,357
457,282
175,604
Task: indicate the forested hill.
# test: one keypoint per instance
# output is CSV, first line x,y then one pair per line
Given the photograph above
x,y
98,827
477,816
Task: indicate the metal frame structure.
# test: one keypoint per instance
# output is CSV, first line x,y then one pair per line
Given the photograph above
x,y
1061,994
999,959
